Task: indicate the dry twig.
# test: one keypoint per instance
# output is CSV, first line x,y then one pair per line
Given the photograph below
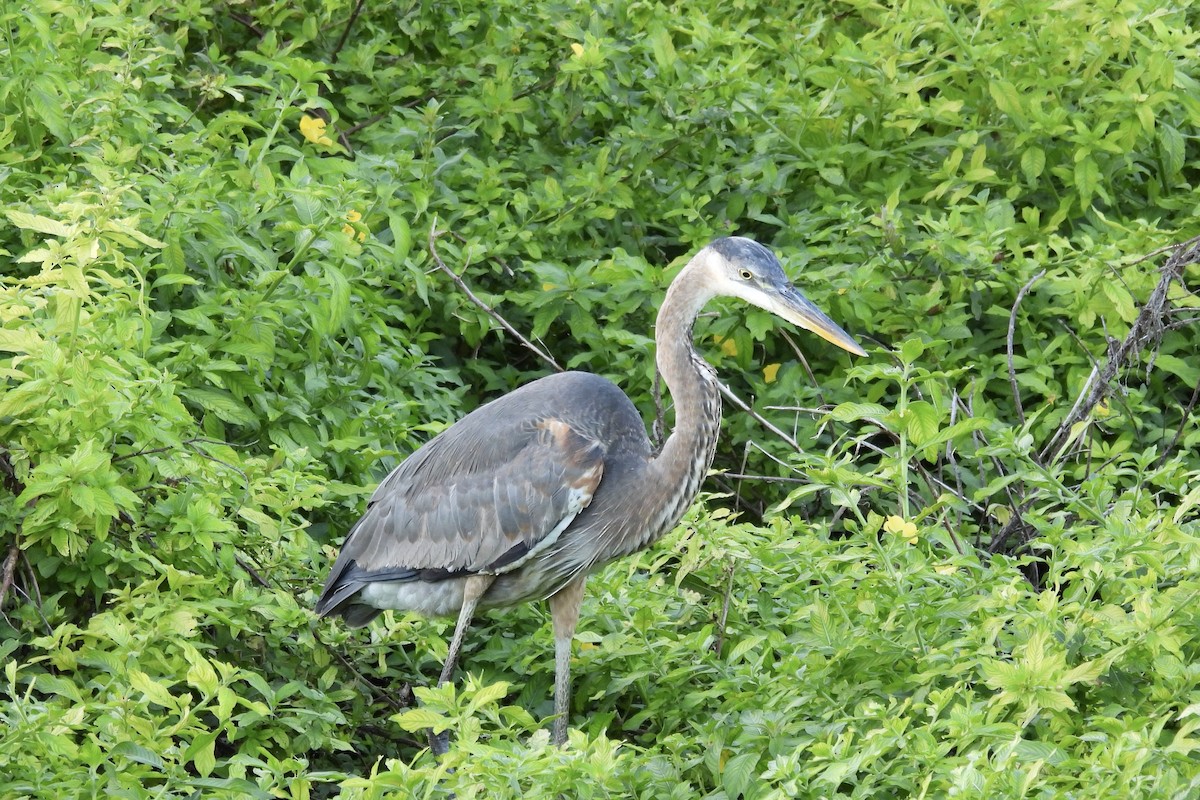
x,y
341,42
737,401
434,235
1012,326
6,572
1145,332
719,642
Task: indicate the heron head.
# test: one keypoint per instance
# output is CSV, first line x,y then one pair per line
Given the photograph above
x,y
740,267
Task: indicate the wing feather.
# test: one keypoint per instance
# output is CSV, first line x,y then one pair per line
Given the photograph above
x,y
469,502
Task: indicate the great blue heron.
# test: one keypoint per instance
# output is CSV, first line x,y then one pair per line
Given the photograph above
x,y
523,497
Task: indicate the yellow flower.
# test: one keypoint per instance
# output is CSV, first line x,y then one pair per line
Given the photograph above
x,y
728,346
902,528
769,372
577,49
350,230
313,129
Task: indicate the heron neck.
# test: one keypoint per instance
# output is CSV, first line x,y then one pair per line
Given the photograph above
x,y
688,451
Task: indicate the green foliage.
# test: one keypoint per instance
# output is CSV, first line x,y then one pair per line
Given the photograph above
x,y
220,322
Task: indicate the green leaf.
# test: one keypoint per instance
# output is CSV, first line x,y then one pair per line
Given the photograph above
x,y
488,694
1187,371
308,208
202,753
1087,179
221,403
921,422
664,50
47,106
201,675
1033,162
1171,148
401,238
22,340
850,412
738,772
339,299
36,222
415,720
1007,98
745,646
135,752
1121,299
83,497
1087,672
173,279
155,692
1028,750
911,350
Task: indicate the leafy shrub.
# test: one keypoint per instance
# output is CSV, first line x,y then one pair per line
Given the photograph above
x,y
221,320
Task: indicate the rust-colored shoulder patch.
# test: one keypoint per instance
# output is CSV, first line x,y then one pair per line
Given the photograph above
x,y
560,432
584,455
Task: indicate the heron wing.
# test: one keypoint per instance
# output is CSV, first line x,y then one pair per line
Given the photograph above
x,y
469,501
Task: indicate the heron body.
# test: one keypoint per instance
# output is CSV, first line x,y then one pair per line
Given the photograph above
x,y
525,496
529,467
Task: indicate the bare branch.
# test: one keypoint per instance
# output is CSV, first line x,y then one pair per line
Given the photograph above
x,y
251,571
341,42
1146,330
738,476
371,120
1187,413
1012,326
8,475
719,642
6,572
812,379
246,22
737,401
434,235
169,448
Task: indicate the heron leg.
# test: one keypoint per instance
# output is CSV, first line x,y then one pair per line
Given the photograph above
x,y
473,589
564,610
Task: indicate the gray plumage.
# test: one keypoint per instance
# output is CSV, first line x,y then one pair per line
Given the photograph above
x,y
525,496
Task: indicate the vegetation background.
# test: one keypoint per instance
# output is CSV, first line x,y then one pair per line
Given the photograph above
x,y
221,322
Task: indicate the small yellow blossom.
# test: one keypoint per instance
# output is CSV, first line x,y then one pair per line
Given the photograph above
x,y
349,229
769,373
313,129
902,528
577,49
728,346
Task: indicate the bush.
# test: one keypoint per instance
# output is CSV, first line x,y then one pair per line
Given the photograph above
x,y
222,320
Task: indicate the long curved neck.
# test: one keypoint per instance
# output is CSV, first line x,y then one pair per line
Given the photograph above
x,y
680,467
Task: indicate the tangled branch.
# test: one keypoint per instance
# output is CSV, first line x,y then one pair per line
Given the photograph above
x,y
1145,333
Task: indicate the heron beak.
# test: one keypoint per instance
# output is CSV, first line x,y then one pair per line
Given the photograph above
x,y
797,309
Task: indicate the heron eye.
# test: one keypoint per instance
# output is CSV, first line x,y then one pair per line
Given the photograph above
x,y
745,274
